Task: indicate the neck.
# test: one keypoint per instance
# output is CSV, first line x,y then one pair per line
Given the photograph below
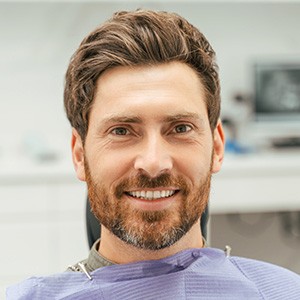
x,y
119,252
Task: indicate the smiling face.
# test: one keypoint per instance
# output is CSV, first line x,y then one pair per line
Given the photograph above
x,y
149,153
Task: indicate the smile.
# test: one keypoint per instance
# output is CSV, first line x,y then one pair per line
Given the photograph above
x,y
152,195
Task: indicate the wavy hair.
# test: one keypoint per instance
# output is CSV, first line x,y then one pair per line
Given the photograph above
x,y
138,38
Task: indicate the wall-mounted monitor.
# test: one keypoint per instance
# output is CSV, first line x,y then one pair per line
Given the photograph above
x,y
277,92
277,102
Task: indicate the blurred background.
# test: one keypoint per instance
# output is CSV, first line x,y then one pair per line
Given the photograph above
x,y
255,199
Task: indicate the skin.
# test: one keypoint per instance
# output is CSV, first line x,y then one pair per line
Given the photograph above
x,y
149,120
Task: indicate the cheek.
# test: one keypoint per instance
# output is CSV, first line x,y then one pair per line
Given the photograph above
x,y
108,167
195,166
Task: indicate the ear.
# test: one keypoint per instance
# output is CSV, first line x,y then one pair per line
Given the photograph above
x,y
78,154
219,146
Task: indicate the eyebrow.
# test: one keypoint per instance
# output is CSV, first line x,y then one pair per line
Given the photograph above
x,y
187,116
121,119
137,120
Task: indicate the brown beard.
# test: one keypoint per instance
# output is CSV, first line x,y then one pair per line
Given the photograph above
x,y
151,230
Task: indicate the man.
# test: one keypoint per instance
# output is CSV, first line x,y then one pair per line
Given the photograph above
x,y
142,95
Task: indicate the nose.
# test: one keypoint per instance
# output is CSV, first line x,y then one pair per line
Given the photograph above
x,y
154,157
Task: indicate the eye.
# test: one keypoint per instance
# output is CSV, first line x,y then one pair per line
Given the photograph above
x,y
182,128
120,131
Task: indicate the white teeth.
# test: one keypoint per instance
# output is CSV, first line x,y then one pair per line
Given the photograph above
x,y
150,195
156,195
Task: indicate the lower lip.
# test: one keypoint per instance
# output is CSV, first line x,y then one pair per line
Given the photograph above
x,y
153,205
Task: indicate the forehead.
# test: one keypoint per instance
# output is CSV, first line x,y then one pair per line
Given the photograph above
x,y
154,89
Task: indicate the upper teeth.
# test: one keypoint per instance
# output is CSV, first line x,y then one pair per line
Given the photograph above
x,y
150,195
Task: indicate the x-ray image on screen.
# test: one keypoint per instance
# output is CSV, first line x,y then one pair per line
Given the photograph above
x,y
277,89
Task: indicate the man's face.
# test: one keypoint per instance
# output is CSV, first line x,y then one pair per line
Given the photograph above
x,y
149,153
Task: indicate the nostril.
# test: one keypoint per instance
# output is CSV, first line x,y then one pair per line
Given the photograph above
x,y
153,166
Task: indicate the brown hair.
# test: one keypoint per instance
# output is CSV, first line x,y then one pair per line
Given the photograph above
x,y
137,38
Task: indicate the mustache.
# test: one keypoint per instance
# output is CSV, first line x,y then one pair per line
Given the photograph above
x,y
143,181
